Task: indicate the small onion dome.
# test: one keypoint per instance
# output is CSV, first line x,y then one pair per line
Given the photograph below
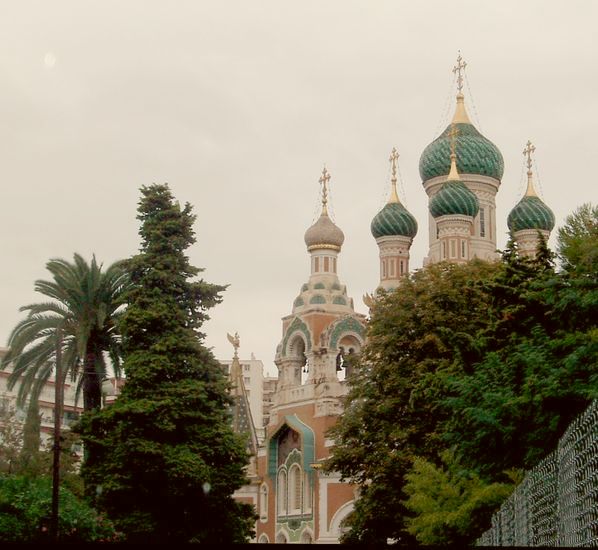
x,y
324,234
394,219
477,155
530,212
454,198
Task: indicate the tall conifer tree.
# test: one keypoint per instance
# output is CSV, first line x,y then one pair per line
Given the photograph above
x,y
163,460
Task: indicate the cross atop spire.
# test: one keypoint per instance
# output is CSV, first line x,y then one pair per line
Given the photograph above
x,y
459,68
394,156
527,152
324,179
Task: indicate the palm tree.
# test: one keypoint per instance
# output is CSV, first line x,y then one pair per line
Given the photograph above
x,y
85,304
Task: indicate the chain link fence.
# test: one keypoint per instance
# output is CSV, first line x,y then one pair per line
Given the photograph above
x,y
557,502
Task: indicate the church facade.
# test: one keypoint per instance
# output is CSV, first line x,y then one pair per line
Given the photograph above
x,y
296,500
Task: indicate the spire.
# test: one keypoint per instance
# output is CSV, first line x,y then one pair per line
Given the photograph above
x,y
453,174
460,115
324,179
242,419
394,156
527,152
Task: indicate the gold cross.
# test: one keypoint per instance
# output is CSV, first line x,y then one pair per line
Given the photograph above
x,y
453,132
324,179
527,152
394,156
460,66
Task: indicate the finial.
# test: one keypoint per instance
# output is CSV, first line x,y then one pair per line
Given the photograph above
x,y
458,68
527,152
453,132
324,179
235,341
368,300
460,115
394,156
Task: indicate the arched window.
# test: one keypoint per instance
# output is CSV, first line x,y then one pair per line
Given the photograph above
x,y
295,489
306,493
306,538
263,539
264,502
281,492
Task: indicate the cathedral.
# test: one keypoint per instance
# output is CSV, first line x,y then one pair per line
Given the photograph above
x,y
461,170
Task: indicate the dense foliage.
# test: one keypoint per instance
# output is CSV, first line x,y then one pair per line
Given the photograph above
x,y
84,304
470,375
163,460
25,510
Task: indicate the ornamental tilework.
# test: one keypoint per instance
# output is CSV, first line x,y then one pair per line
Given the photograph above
x,y
296,325
343,326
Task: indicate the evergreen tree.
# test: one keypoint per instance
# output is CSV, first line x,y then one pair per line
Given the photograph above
x,y
418,336
163,460
578,241
470,375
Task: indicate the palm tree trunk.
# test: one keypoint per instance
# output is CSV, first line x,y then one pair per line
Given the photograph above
x,y
92,385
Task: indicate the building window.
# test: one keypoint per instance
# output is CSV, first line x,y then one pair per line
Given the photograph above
x,y
453,249
326,264
247,380
334,265
281,493
384,269
306,493
443,250
246,368
295,489
482,223
392,267
462,249
402,267
317,260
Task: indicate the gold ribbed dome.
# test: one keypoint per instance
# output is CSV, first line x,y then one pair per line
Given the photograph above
x,y
324,234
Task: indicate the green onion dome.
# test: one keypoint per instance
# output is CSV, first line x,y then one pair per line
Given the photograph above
x,y
394,219
454,198
530,212
477,155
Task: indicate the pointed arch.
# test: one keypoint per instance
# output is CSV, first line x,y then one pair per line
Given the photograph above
x,y
293,422
345,326
297,328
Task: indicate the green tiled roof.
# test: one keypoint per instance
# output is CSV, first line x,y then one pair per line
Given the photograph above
x,y
454,198
394,219
475,155
530,213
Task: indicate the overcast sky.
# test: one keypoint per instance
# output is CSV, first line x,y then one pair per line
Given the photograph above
x,y
238,105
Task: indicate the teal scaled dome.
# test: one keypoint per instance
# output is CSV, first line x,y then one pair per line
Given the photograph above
x,y
477,155
530,213
394,219
454,199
